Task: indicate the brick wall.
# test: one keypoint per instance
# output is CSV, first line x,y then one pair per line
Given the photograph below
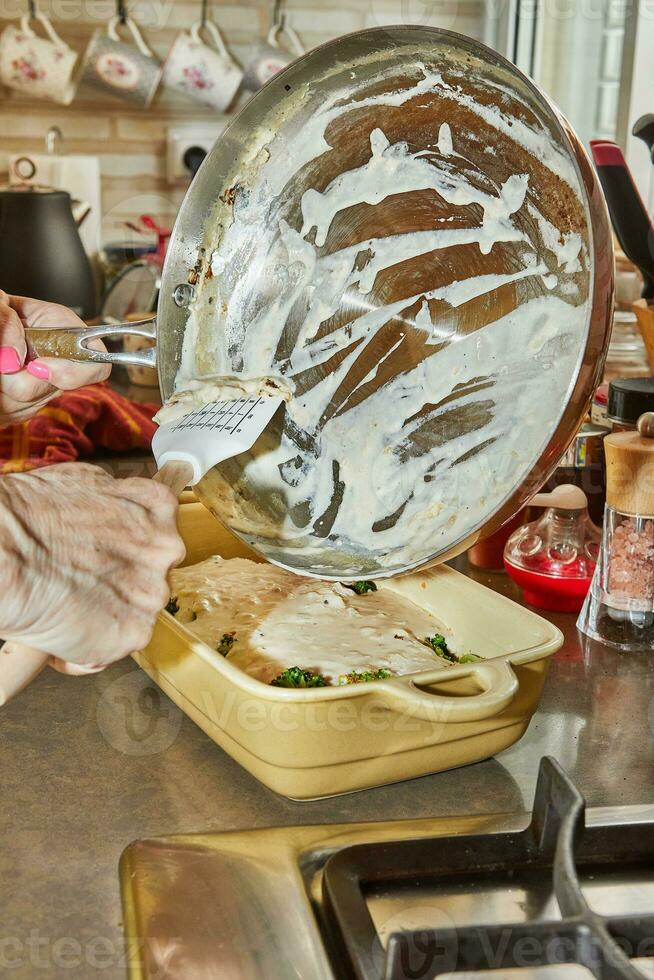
x,y
131,143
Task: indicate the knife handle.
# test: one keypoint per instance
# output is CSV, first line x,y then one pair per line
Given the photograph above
x,y
629,216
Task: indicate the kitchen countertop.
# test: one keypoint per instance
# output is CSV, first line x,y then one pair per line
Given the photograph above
x,y
89,764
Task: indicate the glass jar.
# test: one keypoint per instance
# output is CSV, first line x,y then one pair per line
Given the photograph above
x,y
628,399
620,608
583,464
553,559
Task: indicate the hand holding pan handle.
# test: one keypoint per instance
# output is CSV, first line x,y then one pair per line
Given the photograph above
x,y
70,342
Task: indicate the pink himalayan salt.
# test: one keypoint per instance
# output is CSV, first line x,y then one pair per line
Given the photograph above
x,y
631,561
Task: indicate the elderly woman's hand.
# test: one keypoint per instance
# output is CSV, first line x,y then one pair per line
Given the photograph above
x,y
84,560
26,387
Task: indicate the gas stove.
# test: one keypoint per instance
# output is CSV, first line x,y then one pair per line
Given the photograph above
x,y
568,894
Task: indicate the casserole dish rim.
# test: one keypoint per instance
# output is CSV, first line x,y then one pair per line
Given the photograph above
x,y
398,682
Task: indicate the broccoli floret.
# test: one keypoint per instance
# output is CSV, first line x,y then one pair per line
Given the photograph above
x,y
440,647
173,606
297,677
361,587
363,676
227,641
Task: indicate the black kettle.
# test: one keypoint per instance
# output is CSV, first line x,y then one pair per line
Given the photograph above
x,y
41,252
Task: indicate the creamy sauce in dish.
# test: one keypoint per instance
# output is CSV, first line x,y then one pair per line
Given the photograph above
x,y
280,620
417,409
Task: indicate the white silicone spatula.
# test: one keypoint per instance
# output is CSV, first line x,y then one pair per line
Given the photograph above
x,y
185,449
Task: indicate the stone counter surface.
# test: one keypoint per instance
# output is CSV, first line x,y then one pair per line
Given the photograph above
x,y
89,764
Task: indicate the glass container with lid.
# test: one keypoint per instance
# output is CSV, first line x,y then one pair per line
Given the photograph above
x,y
619,609
628,399
553,559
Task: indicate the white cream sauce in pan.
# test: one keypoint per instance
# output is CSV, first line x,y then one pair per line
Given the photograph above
x,y
406,429
201,393
280,620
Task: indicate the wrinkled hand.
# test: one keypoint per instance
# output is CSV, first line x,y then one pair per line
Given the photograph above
x,y
83,561
26,387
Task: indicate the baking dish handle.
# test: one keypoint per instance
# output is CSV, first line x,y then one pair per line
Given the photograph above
x,y
496,677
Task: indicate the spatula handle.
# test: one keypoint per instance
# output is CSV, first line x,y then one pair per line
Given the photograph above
x,y
175,475
18,666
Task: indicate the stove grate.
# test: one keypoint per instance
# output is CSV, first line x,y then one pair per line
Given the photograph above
x,y
556,838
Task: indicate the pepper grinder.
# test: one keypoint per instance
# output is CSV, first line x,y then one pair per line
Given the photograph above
x,y
619,609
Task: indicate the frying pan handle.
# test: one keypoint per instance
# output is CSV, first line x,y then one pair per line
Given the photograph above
x,y
70,342
499,683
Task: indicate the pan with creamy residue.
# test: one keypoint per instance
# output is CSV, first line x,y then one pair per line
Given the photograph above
x,y
406,235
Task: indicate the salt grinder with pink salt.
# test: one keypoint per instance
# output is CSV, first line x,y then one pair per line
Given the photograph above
x,y
619,608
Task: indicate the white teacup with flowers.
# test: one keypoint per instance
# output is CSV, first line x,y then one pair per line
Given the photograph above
x,y
35,65
125,69
205,72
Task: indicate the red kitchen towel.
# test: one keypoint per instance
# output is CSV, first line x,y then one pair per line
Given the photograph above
x,y
75,425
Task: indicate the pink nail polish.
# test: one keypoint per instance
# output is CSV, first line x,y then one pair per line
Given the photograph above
x,y
9,360
39,370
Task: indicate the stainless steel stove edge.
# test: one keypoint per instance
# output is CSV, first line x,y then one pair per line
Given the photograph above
x,y
223,905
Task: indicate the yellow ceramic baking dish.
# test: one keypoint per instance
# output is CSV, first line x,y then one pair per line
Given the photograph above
x,y
307,744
